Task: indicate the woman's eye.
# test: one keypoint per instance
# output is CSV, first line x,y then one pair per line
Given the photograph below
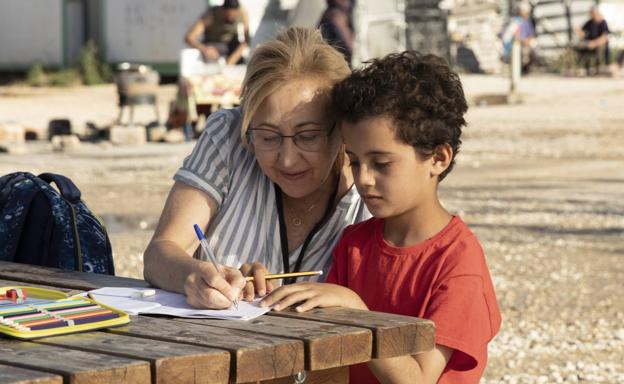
x,y
309,137
382,165
267,137
353,163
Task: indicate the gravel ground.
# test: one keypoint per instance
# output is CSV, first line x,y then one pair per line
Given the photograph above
x,y
541,183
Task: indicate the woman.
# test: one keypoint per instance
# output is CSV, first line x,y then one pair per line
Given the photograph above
x,y
268,182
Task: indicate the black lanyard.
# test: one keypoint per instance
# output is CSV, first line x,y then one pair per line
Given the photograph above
x,y
308,239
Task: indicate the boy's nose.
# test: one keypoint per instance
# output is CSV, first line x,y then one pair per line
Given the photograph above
x,y
364,177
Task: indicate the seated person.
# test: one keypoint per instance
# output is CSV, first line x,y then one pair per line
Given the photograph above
x,y
216,33
594,49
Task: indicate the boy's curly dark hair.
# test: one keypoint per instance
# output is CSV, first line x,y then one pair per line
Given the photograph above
x,y
420,93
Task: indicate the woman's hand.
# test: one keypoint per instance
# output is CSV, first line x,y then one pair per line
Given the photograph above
x,y
312,295
259,284
205,287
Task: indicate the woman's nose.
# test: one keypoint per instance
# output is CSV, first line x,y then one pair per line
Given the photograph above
x,y
287,152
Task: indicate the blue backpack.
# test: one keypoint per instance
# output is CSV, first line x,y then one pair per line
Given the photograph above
x,y
41,226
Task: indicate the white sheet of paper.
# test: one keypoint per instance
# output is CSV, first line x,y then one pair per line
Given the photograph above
x,y
170,303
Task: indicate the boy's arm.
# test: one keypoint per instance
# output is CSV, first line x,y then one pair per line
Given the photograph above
x,y
422,368
312,295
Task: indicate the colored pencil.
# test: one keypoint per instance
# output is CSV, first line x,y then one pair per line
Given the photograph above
x,y
29,311
52,324
93,319
75,310
286,275
22,319
49,319
87,314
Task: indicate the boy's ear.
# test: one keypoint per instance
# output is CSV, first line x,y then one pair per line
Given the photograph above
x,y
441,159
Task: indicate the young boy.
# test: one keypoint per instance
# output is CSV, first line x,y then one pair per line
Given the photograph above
x,y
401,119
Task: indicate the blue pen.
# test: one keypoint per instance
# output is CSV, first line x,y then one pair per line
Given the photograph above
x,y
209,255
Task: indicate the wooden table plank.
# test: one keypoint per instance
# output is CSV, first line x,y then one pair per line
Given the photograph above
x,y
253,356
14,375
326,345
76,367
393,335
170,362
66,279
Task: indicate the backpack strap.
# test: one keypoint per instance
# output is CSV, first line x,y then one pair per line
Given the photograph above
x,y
17,192
68,189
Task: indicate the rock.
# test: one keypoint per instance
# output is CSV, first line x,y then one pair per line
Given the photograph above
x,y
65,142
156,133
131,135
174,136
12,133
13,149
105,144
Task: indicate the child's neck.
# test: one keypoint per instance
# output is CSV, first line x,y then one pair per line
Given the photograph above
x,y
417,225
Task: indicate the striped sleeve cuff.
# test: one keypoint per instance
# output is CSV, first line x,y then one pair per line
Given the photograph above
x,y
188,177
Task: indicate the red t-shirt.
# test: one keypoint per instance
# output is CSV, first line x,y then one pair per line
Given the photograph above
x,y
444,279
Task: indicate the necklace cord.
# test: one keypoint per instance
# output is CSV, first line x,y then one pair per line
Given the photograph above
x,y
308,239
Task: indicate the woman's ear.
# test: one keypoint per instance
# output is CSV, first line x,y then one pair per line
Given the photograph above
x,y
441,159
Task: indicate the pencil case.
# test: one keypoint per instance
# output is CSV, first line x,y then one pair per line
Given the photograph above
x,y
39,312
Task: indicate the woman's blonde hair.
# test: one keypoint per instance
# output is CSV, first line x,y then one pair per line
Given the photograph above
x,y
295,52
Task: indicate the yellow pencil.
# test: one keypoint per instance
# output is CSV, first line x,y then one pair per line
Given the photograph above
x,y
285,275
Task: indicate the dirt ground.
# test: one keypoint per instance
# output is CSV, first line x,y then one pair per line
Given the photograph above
x,y
540,183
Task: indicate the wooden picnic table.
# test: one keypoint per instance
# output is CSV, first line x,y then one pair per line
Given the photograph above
x,y
272,348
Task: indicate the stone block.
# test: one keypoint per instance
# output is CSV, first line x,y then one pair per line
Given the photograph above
x,y
128,135
174,136
13,148
156,133
12,133
65,143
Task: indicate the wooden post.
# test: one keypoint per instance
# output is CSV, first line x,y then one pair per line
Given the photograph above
x,y
568,14
516,66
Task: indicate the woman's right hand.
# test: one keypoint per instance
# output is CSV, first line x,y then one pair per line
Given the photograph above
x,y
259,284
205,287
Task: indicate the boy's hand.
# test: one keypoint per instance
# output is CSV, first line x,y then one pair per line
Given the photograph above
x,y
259,285
312,295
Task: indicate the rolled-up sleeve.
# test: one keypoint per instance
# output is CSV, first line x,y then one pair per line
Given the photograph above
x,y
209,166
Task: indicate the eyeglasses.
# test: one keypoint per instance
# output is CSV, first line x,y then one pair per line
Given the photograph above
x,y
310,141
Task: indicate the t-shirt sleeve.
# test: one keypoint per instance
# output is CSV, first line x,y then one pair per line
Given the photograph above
x,y
462,318
604,27
209,166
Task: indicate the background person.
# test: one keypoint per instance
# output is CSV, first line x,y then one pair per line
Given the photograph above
x,y
216,33
521,28
337,26
593,51
278,203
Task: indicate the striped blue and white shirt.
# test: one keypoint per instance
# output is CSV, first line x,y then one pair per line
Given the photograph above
x,y
246,227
